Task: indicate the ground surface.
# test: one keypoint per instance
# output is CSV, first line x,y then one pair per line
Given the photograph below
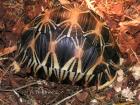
x,y
122,16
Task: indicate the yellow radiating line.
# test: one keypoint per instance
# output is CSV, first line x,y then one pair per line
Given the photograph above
x,y
59,36
20,51
99,78
69,31
37,68
80,27
37,57
34,68
68,63
66,8
50,32
79,68
45,31
50,71
107,83
63,74
37,25
56,63
73,41
46,59
108,74
89,77
57,40
29,62
79,77
23,57
40,27
53,24
46,71
71,76
72,66
37,62
65,21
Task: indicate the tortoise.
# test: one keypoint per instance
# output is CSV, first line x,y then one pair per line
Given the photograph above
x,y
69,44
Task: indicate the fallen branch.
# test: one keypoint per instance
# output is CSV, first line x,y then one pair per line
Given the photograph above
x,y
7,50
58,103
22,87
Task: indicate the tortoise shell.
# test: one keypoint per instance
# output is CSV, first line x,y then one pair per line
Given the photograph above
x,y
69,44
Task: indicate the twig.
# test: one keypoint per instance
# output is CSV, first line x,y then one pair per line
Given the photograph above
x,y
16,93
1,59
19,88
89,4
2,102
68,97
4,73
135,55
53,100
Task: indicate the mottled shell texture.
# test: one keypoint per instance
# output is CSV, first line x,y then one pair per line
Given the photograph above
x,y
69,44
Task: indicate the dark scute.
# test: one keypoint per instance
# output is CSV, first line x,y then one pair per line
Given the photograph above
x,y
91,39
48,64
29,54
66,80
63,29
43,28
94,81
111,53
41,73
98,47
26,37
49,28
57,14
116,57
91,51
20,56
81,82
104,79
38,27
101,69
105,34
65,50
87,21
89,57
37,20
31,72
53,77
96,16
41,46
75,67
113,70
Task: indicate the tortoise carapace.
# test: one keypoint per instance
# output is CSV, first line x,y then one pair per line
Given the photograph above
x,y
70,44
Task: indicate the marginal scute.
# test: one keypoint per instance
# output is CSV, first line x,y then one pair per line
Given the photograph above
x,y
69,44
85,21
61,13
